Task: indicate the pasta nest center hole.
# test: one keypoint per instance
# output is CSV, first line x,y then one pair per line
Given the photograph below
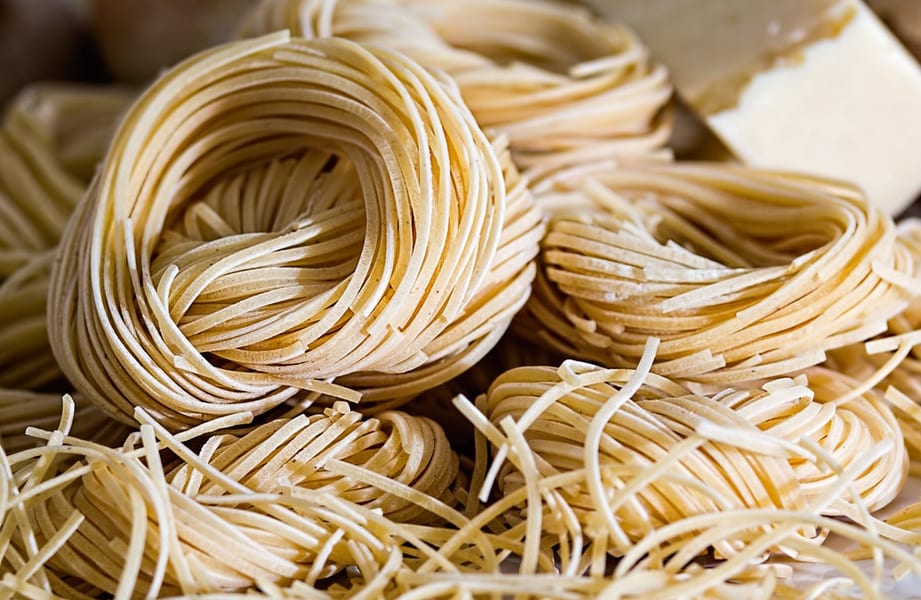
x,y
304,216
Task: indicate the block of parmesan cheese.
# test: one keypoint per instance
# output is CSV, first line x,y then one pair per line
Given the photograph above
x,y
817,86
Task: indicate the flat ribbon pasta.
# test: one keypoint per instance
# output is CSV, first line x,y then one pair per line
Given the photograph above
x,y
563,86
51,139
26,360
268,507
894,366
655,454
743,274
21,409
274,214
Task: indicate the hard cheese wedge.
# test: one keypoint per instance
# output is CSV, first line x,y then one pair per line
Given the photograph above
x,y
818,86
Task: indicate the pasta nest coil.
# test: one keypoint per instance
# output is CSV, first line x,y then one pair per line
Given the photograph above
x,y
269,507
892,363
276,214
743,274
51,138
562,85
639,454
26,360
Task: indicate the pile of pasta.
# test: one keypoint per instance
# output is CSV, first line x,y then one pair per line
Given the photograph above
x,y
409,300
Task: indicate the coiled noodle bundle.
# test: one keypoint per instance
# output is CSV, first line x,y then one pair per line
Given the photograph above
x,y
564,86
268,507
743,274
273,215
51,139
658,454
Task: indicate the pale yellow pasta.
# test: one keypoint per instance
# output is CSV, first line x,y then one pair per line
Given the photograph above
x,y
276,214
594,461
302,498
26,360
898,373
653,433
564,86
270,507
743,274
20,409
51,139
437,404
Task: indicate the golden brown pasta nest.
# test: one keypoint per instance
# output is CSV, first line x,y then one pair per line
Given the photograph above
x,y
562,85
742,274
275,214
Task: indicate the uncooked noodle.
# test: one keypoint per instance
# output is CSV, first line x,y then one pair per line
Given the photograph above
x,y
565,87
743,274
361,231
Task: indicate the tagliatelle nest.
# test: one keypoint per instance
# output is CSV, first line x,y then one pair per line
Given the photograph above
x,y
743,274
267,507
565,87
51,139
893,363
274,214
648,436
594,462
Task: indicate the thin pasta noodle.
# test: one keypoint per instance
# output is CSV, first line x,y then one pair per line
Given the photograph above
x,y
276,214
502,295
51,138
554,409
21,409
899,380
26,360
550,413
510,352
563,86
743,274
261,507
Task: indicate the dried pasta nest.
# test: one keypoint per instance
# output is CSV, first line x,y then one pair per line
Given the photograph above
x,y
742,274
653,453
564,86
269,507
26,360
275,214
51,138
22,409
893,363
